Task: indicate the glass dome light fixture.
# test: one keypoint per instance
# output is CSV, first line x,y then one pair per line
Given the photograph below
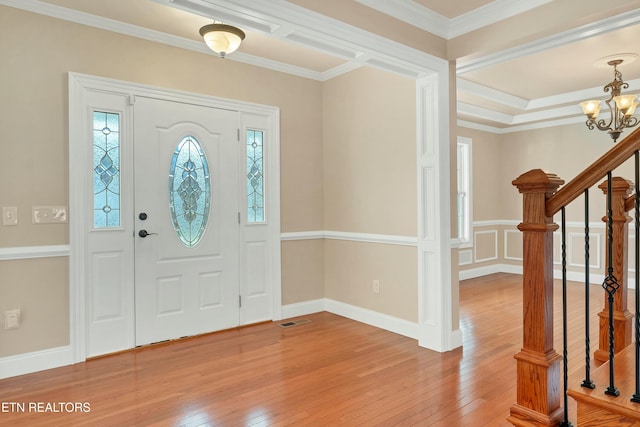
x,y
622,109
222,38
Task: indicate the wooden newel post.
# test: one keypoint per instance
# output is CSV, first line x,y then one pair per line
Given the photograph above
x,y
621,189
538,364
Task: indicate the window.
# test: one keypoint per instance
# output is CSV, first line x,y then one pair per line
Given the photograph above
x,y
106,168
189,191
464,191
255,177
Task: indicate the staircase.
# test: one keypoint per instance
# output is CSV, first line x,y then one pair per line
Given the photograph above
x,y
610,395
598,409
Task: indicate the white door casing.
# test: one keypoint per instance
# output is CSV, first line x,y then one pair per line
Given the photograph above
x,y
102,275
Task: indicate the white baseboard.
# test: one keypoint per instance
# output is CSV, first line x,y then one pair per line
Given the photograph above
x,y
363,315
489,269
456,339
303,308
373,318
573,276
27,363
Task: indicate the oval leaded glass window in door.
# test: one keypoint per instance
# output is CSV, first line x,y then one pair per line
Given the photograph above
x,y
189,191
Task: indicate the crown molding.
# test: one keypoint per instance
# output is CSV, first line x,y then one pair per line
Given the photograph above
x,y
551,104
491,94
412,13
593,29
428,20
282,19
489,14
521,128
290,22
101,23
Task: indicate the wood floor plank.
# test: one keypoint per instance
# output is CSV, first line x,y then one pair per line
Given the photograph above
x,y
331,371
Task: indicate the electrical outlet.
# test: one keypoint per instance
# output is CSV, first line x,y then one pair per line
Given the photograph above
x,y
376,286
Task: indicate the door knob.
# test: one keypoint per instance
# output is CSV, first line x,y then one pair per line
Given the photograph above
x,y
142,216
144,233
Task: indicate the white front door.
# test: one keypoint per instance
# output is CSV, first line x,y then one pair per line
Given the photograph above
x,y
186,219
186,276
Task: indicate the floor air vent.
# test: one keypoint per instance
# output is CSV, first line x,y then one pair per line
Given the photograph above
x,y
294,323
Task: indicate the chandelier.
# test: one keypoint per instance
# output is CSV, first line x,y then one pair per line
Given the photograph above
x,y
622,109
222,38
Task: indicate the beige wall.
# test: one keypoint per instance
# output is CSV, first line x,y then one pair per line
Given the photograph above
x,y
351,267
370,186
370,182
39,288
302,271
34,164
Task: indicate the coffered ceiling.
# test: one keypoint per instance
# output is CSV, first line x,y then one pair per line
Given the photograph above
x,y
520,63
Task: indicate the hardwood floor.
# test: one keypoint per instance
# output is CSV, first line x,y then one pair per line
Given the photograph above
x,y
331,371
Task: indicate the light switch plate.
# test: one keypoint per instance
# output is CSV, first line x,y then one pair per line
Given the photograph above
x,y
10,215
49,214
12,319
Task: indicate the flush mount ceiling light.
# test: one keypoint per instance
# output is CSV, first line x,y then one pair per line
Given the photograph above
x,y
222,38
623,107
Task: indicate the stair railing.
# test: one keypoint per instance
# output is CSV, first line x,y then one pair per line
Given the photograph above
x,y
538,364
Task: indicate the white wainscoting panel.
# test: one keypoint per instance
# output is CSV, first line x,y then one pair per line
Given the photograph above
x,y
494,237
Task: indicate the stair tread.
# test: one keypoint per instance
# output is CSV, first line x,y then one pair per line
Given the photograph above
x,y
624,368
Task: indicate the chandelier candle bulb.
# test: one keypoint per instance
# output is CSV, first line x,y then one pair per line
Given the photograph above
x,y
591,108
625,103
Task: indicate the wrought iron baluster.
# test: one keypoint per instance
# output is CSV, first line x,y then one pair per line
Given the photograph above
x,y
565,367
610,285
587,383
636,395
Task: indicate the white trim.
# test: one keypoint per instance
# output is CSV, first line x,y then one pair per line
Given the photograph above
x,y
30,252
475,245
119,27
592,29
302,235
357,47
286,21
472,273
548,115
457,243
303,308
496,11
372,238
373,318
468,143
506,245
414,14
520,128
435,290
468,255
387,239
434,23
12,366
496,223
